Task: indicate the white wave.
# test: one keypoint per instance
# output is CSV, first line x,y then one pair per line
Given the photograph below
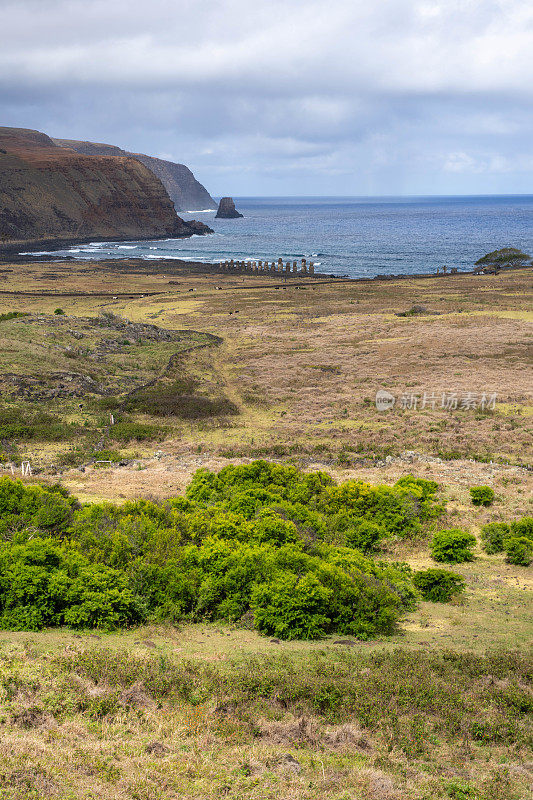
x,y
38,253
181,257
200,211
127,247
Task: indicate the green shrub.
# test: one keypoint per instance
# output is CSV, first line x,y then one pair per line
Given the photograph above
x,y
260,541
365,535
493,535
452,546
38,507
523,527
13,315
438,585
291,607
59,311
482,495
519,550
43,583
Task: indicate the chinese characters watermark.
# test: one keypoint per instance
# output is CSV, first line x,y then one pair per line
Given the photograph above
x,y
446,401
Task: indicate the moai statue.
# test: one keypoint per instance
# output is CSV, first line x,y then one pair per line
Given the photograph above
x,y
444,269
280,264
311,267
232,263
260,265
288,266
304,266
273,266
295,267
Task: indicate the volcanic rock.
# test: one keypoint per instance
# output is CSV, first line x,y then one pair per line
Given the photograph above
x,y
227,210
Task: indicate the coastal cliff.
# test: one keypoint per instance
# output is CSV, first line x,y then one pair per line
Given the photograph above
x,y
51,193
184,190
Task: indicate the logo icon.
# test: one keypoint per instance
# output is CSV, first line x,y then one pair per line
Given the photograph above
x,y
384,400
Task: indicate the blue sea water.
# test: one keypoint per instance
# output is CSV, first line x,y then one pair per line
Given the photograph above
x,y
359,237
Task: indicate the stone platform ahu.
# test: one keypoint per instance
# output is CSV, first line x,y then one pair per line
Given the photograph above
x,y
287,269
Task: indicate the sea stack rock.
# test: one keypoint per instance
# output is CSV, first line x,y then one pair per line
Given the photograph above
x,y
227,210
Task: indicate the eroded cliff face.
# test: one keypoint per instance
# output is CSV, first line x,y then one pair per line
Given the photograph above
x,y
184,190
51,193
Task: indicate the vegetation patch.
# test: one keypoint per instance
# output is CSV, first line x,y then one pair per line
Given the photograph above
x,y
453,546
261,544
438,585
482,495
13,315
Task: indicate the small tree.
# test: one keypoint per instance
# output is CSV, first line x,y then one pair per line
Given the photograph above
x,y
493,536
482,495
505,257
438,585
523,527
519,550
453,546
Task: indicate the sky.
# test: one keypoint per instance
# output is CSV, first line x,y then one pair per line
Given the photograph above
x,y
285,97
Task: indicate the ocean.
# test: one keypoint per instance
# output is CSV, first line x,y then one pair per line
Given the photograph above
x,y
353,236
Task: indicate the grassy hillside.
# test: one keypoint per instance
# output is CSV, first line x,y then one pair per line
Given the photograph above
x,y
437,706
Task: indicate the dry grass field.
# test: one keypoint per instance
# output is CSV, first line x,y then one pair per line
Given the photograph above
x,y
302,361
92,715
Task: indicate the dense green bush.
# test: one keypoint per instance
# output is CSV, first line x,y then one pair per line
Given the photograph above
x,y
482,495
453,546
519,550
43,508
45,583
493,535
523,527
260,542
438,585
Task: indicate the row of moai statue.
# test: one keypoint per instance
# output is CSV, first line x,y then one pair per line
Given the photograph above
x,y
277,268
453,271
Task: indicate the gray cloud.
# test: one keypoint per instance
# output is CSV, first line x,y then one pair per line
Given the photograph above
x,y
410,96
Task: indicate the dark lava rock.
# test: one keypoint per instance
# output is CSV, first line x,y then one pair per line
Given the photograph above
x,y
227,210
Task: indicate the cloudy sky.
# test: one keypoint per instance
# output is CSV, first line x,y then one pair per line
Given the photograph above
x,y
286,97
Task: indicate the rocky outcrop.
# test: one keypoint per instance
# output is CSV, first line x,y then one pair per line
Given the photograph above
x,y
227,210
50,193
184,190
